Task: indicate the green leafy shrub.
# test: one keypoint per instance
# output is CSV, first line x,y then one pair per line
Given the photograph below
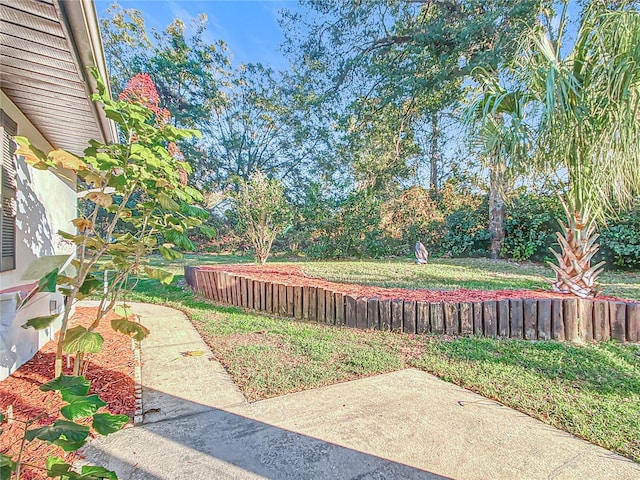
x,y
353,231
530,226
466,233
313,219
620,241
356,231
262,212
464,229
80,415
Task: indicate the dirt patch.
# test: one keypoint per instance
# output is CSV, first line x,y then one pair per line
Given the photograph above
x,y
412,351
294,275
111,373
223,344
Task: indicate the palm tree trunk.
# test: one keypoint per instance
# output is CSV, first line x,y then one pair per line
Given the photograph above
x,y
496,213
574,273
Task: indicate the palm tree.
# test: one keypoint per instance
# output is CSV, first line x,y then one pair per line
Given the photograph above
x,y
589,128
497,120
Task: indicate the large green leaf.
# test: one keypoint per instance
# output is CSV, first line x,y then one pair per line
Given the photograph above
x,y
89,285
209,232
179,239
78,339
164,276
105,423
69,445
194,211
69,431
56,467
90,472
45,284
81,406
106,162
40,323
137,331
167,202
48,282
6,466
111,113
67,385
169,254
123,310
192,192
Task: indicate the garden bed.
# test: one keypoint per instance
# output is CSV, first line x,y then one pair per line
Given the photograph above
x,y
294,275
111,373
286,291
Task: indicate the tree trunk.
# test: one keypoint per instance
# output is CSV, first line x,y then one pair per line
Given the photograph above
x,y
434,152
496,211
57,364
574,273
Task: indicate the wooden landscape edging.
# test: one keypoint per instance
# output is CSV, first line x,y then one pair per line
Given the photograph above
x,y
568,319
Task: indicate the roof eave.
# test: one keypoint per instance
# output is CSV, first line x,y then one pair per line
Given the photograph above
x,y
80,20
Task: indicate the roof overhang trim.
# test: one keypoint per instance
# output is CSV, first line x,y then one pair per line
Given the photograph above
x,y
80,22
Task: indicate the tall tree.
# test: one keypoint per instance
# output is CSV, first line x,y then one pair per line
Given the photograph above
x,y
589,108
126,45
378,145
187,70
253,118
502,136
259,127
399,52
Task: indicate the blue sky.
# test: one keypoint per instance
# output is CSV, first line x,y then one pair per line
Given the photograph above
x,y
249,27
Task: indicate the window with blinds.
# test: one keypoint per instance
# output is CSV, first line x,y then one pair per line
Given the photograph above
x,y
8,129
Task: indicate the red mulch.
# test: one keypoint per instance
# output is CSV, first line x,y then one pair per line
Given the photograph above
x,y
294,275
111,373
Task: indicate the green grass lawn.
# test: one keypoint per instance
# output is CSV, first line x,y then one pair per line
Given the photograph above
x,y
440,274
592,391
472,273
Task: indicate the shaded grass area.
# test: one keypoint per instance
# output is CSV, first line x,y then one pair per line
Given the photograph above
x,y
439,274
591,391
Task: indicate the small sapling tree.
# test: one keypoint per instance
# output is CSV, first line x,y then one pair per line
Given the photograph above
x,y
262,211
140,183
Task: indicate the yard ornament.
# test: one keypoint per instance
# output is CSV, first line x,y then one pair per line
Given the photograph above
x,y
422,256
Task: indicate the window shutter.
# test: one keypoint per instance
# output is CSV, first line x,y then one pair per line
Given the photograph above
x,y
8,130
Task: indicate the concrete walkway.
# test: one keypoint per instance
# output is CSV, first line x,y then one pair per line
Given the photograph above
x,y
401,425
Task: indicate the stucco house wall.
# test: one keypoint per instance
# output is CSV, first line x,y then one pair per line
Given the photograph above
x,y
45,204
